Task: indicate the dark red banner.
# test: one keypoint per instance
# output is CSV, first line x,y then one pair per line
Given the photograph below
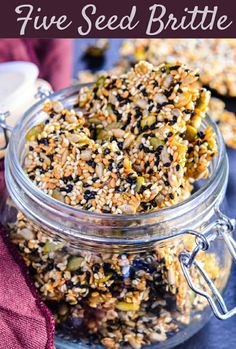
x,y
124,18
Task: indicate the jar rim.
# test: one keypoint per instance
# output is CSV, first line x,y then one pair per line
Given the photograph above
x,y
13,161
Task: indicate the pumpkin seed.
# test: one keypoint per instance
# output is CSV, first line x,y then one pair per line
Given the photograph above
x,y
74,263
52,246
124,306
139,183
34,132
191,133
57,195
148,120
155,142
101,80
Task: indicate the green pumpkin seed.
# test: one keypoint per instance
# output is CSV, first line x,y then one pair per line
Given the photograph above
x,y
191,133
155,142
124,306
139,183
52,246
100,81
74,263
148,120
34,132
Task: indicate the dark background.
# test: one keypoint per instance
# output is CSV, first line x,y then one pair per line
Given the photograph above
x,y
216,334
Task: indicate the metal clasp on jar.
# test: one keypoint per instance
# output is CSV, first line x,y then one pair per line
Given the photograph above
x,y
41,94
221,228
4,113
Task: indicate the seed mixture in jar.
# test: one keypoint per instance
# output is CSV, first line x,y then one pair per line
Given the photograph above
x,y
136,147
134,143
117,300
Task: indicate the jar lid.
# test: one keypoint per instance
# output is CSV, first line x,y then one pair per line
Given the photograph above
x,y
15,79
18,91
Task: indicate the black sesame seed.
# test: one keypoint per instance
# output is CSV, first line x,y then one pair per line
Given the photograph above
x,y
41,159
69,284
159,148
89,194
173,121
167,164
177,167
96,268
165,103
150,107
49,267
106,151
50,156
153,203
31,148
65,180
142,189
119,165
171,196
85,146
107,267
63,189
140,146
166,183
91,163
170,134
175,67
117,114
131,179
167,93
85,185
69,188
144,93
201,134
188,111
32,177
120,145
113,138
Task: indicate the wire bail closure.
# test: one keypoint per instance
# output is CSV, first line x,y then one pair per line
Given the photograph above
x,y
222,228
4,113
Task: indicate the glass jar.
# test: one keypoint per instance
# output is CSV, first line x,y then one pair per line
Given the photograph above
x,y
121,280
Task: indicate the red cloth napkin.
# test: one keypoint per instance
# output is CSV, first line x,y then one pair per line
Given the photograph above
x,y
25,321
52,56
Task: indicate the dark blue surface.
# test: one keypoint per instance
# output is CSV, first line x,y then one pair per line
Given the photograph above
x,y
216,334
